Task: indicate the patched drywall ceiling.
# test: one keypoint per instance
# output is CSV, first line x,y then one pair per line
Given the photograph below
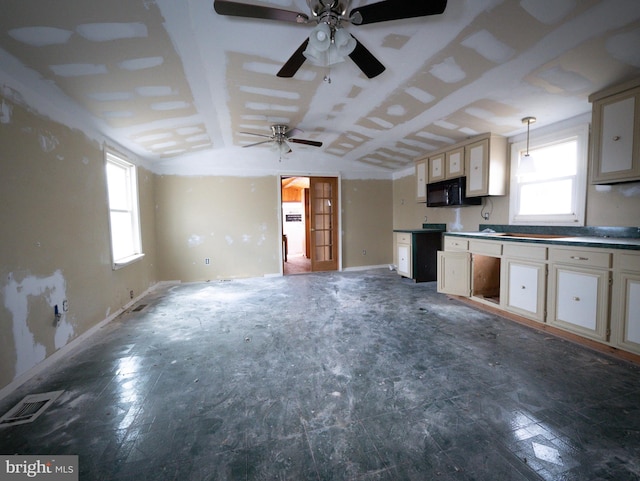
x,y
175,83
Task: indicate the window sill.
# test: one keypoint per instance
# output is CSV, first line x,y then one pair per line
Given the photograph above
x,y
125,261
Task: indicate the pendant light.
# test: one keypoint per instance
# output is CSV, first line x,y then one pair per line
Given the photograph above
x,y
525,163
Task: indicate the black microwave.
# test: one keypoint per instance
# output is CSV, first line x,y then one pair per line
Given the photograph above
x,y
450,193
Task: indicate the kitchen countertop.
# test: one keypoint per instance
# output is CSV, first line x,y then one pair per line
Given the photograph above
x,y
629,243
425,228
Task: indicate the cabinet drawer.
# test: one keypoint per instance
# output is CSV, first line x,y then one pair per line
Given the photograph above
x,y
484,247
403,238
581,258
627,262
516,249
455,244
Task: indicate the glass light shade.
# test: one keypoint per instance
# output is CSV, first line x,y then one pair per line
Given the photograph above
x,y
320,37
526,165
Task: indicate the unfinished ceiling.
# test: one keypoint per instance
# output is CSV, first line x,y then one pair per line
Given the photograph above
x,y
176,83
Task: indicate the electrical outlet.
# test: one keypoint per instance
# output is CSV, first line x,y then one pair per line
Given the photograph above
x,y
364,252
207,261
485,216
131,293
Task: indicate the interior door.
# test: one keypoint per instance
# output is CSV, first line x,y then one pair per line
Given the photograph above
x,y
323,211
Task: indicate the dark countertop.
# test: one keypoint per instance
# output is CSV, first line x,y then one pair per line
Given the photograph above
x,y
425,228
601,237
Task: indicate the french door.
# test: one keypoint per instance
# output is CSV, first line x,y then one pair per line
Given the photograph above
x,y
323,214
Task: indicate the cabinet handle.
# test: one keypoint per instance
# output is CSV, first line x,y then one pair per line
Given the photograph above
x,y
616,138
578,258
577,299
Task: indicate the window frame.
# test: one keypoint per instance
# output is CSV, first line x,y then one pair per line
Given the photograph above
x,y
133,208
579,195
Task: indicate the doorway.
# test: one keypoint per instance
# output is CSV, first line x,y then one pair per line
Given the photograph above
x,y
309,224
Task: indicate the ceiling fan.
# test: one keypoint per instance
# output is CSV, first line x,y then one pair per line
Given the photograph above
x,y
329,43
281,135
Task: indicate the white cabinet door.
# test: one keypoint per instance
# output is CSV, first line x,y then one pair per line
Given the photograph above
x,y
421,180
436,168
455,163
404,260
579,300
454,273
477,168
632,308
525,289
625,315
616,138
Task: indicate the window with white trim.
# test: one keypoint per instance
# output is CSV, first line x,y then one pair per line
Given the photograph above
x,y
549,187
124,219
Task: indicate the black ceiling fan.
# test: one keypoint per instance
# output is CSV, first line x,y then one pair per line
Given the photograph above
x,y
279,138
328,37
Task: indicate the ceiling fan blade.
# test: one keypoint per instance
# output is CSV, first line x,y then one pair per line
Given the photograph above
x,y
235,9
290,68
306,142
395,10
258,143
364,59
258,135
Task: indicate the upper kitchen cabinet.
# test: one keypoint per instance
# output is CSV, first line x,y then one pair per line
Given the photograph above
x,y
486,166
616,134
421,180
454,163
437,168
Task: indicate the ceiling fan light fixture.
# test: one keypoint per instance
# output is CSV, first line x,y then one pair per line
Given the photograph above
x,y
328,47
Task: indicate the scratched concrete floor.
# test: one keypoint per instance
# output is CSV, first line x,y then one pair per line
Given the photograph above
x,y
332,376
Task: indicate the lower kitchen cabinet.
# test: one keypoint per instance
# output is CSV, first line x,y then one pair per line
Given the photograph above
x,y
403,252
579,301
626,304
454,273
524,288
579,291
524,280
416,254
589,291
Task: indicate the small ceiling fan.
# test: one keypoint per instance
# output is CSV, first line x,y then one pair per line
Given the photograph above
x,y
281,135
329,43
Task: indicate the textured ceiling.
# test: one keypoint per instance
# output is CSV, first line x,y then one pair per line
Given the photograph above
x,y
176,83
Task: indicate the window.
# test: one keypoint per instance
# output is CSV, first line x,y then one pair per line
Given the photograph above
x,y
549,188
122,189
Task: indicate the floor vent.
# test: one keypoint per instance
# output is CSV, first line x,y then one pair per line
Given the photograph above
x,y
139,308
29,408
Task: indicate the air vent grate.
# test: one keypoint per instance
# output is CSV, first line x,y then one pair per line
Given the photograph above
x,y
29,408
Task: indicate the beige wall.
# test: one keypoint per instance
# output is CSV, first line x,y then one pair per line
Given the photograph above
x,y
367,221
234,222
611,205
55,239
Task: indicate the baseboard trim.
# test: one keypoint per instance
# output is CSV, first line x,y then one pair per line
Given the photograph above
x,y
365,268
555,331
72,345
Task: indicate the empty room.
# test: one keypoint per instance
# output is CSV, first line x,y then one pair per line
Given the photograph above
x,y
320,240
